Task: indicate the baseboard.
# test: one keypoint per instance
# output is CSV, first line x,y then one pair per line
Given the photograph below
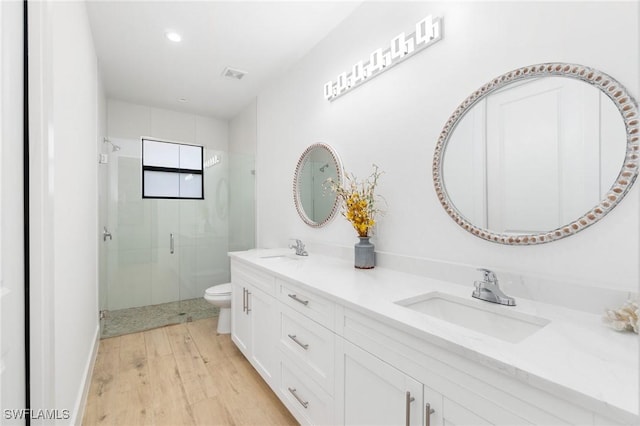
x,y
78,412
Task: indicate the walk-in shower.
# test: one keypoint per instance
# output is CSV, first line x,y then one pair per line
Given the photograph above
x,y
165,252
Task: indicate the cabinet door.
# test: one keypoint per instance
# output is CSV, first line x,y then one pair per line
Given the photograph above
x,y
240,325
470,409
375,393
264,337
446,412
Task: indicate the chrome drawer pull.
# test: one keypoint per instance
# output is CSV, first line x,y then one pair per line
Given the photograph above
x,y
409,400
244,299
295,297
305,404
248,309
428,412
303,345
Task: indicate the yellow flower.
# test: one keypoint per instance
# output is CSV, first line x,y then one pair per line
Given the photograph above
x,y
359,200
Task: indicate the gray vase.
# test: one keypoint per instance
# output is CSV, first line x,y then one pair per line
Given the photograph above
x,y
365,257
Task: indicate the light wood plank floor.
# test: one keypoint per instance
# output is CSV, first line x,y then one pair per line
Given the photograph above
x,y
184,374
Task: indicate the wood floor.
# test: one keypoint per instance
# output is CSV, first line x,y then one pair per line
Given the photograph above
x,y
182,374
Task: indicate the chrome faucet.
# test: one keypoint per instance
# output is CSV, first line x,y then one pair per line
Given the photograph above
x,y
299,248
489,290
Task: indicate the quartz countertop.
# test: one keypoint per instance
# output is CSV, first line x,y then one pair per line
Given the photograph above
x,y
575,356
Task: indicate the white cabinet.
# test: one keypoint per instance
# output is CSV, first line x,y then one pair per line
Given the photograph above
x,y
240,320
254,320
340,365
260,308
309,403
306,302
444,411
460,391
307,354
375,393
309,344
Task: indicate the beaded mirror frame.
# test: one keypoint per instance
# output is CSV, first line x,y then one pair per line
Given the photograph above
x,y
626,105
297,186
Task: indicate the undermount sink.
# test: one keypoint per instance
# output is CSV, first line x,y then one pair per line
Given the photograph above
x,y
493,320
281,256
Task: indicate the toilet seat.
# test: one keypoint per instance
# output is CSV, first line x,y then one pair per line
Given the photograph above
x,y
219,290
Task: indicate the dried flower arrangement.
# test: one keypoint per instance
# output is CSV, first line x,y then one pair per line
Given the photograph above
x,y
359,200
627,318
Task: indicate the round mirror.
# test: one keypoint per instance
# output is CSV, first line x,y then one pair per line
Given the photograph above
x,y
538,154
316,204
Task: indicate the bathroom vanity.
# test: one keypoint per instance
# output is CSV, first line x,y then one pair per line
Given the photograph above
x,y
345,346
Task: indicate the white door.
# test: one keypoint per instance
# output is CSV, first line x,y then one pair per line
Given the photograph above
x,y
542,151
12,349
375,393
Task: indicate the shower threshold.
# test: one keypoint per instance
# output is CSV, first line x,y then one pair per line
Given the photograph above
x,y
133,320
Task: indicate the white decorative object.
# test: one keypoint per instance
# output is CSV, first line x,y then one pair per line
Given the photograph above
x,y
627,318
427,32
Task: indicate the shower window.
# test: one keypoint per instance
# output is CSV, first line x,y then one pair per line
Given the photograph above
x,y
172,170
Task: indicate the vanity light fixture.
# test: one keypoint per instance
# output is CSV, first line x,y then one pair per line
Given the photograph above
x,y
173,36
427,32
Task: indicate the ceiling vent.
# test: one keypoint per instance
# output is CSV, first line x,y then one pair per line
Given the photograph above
x,y
233,73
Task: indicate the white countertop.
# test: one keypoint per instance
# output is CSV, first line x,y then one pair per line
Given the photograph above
x,y
575,356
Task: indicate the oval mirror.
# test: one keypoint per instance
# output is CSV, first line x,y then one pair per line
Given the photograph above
x,y
316,204
538,154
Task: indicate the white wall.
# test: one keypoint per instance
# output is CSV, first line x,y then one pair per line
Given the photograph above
x,y
126,120
141,271
243,130
395,119
12,324
65,121
242,201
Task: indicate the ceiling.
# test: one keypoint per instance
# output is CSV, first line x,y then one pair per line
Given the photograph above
x,y
139,64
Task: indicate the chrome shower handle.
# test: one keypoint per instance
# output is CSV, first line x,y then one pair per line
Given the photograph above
x,y
106,234
171,243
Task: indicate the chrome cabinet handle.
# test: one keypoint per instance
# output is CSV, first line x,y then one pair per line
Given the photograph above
x,y
409,399
305,404
248,294
428,412
295,297
244,299
295,339
171,243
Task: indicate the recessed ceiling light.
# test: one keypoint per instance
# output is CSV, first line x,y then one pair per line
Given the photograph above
x,y
173,36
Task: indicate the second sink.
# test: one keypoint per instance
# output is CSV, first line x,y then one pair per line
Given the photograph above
x,y
495,321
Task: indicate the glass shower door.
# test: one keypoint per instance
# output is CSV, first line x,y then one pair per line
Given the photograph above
x,y
165,263
203,242
165,252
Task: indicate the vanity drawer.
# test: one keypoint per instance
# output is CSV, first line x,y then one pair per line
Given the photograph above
x,y
310,344
307,401
242,274
307,303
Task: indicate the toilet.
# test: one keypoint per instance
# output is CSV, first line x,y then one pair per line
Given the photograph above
x,y
220,296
